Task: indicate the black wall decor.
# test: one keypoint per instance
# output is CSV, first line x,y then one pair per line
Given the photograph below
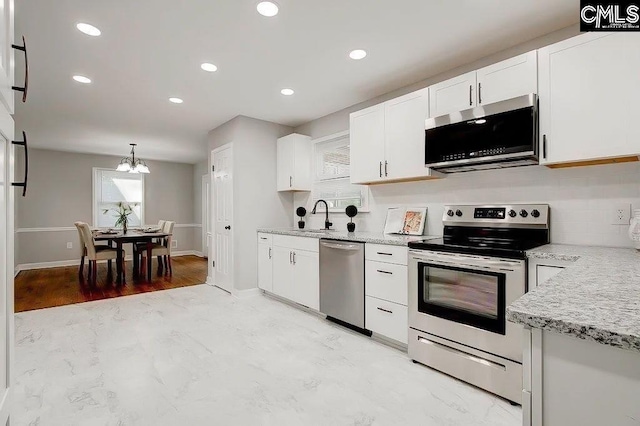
x,y
351,211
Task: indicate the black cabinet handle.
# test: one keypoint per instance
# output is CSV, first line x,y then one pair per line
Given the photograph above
x,y
24,89
228,227
384,310
386,170
380,169
384,272
471,95
23,143
479,93
381,253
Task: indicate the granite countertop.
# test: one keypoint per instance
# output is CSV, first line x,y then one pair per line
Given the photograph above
x,y
597,297
363,237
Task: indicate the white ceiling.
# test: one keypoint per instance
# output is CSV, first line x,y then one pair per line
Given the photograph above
x,y
151,50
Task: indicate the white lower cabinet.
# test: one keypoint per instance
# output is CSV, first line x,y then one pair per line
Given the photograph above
x,y
294,265
386,318
386,291
265,263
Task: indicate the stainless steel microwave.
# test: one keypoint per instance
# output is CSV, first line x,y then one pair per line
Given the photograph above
x,y
498,135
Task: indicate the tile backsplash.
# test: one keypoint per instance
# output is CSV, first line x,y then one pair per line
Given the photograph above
x,y
582,199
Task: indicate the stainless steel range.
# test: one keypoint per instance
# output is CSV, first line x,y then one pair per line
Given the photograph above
x,y
460,286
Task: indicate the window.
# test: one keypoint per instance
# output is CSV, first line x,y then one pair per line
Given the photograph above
x,y
111,187
332,182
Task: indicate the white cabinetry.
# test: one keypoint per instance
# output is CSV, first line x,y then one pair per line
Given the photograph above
x,y
7,56
386,287
294,163
508,79
296,272
589,91
367,144
453,95
265,262
387,140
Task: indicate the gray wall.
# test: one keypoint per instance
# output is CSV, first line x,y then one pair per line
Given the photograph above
x,y
256,201
60,193
582,199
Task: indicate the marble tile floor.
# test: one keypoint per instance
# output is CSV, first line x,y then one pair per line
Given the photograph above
x,y
198,356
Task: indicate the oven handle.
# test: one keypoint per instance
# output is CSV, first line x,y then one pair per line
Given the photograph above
x,y
448,260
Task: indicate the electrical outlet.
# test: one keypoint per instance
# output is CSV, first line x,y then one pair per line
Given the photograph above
x,y
621,214
174,243
69,245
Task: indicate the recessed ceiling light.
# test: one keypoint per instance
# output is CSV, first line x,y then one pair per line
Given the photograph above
x,y
82,79
88,29
209,67
287,92
267,8
357,54
176,100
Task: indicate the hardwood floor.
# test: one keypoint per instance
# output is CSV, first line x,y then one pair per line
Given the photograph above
x,y
46,288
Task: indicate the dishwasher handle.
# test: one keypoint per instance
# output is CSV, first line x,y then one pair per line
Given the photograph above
x,y
340,246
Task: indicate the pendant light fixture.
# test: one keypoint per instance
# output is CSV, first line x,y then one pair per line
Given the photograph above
x,y
132,164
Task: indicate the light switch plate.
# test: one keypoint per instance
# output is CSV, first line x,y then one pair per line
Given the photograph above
x,y
174,243
69,245
621,214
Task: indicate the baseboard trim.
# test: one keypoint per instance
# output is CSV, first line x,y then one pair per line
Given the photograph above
x,y
245,294
74,262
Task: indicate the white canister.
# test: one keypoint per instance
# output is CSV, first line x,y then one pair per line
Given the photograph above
x,y
634,229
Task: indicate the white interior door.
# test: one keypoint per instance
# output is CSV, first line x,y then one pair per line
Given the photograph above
x,y
222,160
206,232
6,262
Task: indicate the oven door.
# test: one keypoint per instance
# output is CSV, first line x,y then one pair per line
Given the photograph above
x,y
463,298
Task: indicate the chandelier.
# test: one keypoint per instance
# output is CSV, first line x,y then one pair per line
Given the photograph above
x,y
132,164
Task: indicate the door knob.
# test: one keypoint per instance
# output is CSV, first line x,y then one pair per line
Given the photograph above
x,y
227,227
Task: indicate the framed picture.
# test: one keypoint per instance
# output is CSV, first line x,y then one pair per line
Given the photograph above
x,y
407,221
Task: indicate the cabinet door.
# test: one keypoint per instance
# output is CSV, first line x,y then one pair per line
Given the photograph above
x,y
544,273
456,94
508,79
589,90
367,145
7,54
265,267
306,278
285,164
404,135
282,284
302,163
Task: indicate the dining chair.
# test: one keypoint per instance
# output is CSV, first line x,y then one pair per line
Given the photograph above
x,y
95,253
139,248
83,251
160,250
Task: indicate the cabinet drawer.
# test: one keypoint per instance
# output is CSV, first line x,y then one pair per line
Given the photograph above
x,y
386,281
264,238
296,243
386,253
386,318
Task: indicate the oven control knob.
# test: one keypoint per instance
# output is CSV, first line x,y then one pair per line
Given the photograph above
x,y
458,213
535,213
512,213
524,213
450,213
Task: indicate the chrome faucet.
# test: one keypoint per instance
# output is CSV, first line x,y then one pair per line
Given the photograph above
x,y
327,224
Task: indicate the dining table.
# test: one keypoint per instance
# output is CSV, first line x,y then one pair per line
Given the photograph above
x,y
132,236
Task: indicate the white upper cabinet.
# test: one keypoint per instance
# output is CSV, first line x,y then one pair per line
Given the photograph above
x,y
294,163
508,79
589,91
387,140
367,145
453,95
7,55
404,136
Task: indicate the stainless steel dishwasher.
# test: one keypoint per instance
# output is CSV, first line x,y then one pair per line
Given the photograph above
x,y
342,281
